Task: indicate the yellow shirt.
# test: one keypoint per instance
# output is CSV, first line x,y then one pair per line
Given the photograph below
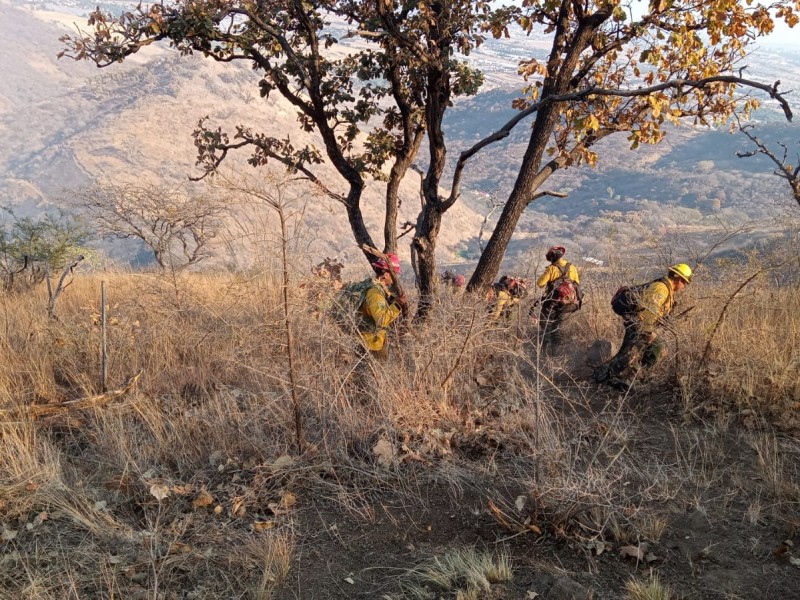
x,y
552,272
658,300
504,305
377,314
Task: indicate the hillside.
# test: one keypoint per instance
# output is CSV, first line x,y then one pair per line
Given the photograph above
x,y
469,465
65,125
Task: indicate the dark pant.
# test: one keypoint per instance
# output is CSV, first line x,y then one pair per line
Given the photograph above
x,y
638,349
551,321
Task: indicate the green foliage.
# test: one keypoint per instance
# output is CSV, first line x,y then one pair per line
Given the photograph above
x,y
29,246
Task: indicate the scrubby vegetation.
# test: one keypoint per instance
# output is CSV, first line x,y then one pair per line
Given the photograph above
x,y
467,443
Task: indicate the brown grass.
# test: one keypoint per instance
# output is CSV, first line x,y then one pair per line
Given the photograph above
x,y
172,487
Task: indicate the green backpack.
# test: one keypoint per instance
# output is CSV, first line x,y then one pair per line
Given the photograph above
x,y
345,309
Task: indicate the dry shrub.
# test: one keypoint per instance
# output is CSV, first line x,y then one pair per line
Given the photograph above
x,y
460,398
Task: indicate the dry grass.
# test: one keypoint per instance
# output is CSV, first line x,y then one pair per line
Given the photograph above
x,y
460,574
172,487
650,589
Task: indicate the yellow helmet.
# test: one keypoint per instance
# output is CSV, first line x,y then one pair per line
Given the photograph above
x,y
682,271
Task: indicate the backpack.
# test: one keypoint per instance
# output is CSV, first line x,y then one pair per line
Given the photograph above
x,y
627,300
563,290
345,308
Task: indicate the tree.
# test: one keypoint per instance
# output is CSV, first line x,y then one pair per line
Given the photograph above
x,y
32,248
608,71
405,79
178,228
783,168
288,43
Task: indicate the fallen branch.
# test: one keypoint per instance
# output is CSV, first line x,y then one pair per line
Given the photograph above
x,y
34,411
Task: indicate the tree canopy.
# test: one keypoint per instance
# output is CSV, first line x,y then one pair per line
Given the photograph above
x,y
613,67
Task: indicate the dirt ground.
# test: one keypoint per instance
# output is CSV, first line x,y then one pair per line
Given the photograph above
x,y
710,505
713,546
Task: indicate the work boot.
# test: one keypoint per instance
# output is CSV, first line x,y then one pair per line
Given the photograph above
x,y
623,385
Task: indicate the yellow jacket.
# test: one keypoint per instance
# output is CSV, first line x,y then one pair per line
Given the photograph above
x,y
377,314
658,300
552,272
504,305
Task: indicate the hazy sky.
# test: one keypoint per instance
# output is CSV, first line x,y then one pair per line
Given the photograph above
x,y
783,35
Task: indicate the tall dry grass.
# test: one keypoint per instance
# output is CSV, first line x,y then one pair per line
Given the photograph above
x,y
191,481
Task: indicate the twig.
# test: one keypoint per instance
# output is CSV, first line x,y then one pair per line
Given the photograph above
x,y
461,353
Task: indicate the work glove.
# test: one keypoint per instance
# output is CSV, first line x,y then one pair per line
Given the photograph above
x,y
648,337
401,301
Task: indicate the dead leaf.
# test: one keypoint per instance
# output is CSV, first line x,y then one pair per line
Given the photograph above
x,y
637,552
795,561
350,580
114,559
102,506
596,546
179,548
203,499
8,535
216,457
385,452
237,507
263,525
182,490
288,500
520,502
218,509
650,558
159,491
282,462
780,550
531,595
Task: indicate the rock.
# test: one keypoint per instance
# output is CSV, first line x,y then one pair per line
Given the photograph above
x,y
564,588
599,352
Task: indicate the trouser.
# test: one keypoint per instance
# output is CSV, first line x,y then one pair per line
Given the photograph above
x,y
551,321
362,379
638,349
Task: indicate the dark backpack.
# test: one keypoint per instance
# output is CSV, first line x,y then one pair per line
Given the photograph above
x,y
345,308
627,300
563,290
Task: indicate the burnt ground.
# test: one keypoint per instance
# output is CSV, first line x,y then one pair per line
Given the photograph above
x,y
730,540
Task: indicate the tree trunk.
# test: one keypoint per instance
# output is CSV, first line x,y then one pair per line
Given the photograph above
x,y
524,187
425,247
531,175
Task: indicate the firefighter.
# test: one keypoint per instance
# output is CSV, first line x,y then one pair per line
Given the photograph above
x,y
560,283
380,307
643,310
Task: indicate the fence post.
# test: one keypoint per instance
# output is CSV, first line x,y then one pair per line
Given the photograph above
x,y
104,348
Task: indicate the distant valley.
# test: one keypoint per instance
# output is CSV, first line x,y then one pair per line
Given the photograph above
x,y
65,125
